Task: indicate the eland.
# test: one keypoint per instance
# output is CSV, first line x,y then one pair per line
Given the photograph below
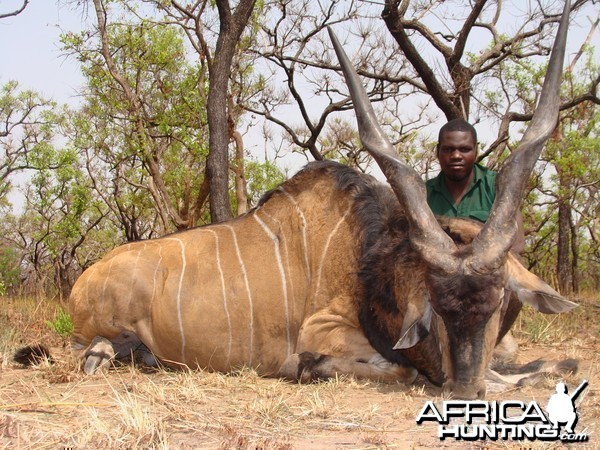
x,y
332,273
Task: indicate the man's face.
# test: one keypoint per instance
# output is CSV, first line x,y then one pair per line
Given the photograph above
x,y
456,153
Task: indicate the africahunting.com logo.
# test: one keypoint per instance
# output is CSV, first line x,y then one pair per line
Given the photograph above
x,y
508,420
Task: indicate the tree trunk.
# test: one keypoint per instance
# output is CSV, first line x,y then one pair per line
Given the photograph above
x,y
563,260
574,257
217,164
241,191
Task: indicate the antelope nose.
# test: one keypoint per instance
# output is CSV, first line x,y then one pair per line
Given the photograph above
x,y
475,390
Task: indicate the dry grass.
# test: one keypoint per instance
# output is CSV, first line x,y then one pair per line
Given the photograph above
x,y
537,328
56,406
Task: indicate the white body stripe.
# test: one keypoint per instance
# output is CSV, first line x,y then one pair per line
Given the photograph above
x,y
134,270
87,281
155,274
178,299
283,241
104,285
326,249
275,240
304,231
224,293
107,277
248,291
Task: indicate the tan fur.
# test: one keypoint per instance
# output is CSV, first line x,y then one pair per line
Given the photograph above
x,y
194,281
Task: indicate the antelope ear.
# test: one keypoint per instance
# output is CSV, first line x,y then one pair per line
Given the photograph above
x,y
415,327
534,292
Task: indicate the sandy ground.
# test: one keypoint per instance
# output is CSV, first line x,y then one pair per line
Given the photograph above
x,y
58,407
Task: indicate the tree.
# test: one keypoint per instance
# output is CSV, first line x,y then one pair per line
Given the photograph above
x,y
26,123
219,64
455,90
232,25
301,92
147,106
563,202
10,268
59,215
139,148
454,55
443,54
562,207
197,20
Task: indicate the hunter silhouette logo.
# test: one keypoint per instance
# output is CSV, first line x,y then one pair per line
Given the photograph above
x,y
561,407
508,420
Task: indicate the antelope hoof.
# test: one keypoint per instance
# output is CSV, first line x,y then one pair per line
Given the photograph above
x,y
98,355
302,367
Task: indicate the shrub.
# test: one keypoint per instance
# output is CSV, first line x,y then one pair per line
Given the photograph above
x,y
62,324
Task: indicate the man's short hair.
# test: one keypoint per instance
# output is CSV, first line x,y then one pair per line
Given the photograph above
x,y
458,125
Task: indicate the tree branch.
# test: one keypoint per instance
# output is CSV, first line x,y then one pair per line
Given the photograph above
x,y
15,12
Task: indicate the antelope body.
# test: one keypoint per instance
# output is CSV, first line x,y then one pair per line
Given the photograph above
x,y
332,273
320,279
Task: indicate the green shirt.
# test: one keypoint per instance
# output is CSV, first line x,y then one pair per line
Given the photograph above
x,y
475,204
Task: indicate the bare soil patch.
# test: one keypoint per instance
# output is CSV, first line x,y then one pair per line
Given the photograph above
x,y
57,406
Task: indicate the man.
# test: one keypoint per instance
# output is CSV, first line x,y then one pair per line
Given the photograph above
x,y
463,188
